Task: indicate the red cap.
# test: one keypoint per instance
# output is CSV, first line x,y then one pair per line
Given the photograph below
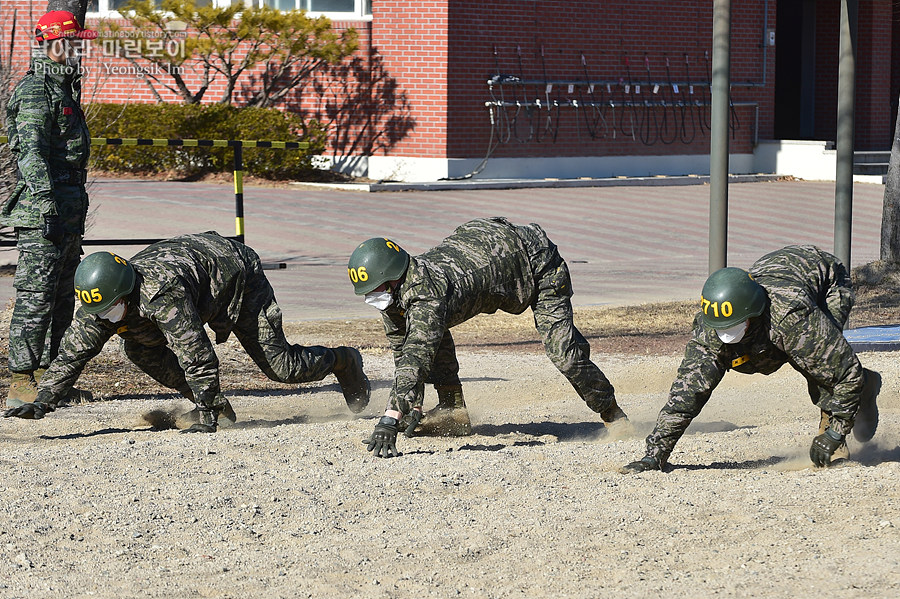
x,y
58,24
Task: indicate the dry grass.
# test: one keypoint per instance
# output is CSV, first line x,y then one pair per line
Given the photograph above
x,y
644,329
877,294
606,327
652,328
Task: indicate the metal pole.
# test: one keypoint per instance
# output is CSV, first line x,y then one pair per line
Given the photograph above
x,y
718,141
843,188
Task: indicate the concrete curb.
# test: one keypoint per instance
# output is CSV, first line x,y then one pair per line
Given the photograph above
x,y
875,338
473,184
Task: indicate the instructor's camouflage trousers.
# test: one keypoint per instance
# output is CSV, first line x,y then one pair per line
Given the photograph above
x,y
45,298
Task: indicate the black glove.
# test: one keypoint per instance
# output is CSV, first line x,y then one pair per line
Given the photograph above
x,y
30,411
410,422
207,423
642,465
824,446
383,442
52,229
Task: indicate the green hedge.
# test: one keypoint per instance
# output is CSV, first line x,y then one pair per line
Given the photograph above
x,y
195,121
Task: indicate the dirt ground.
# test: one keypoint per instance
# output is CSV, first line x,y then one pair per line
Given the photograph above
x,y
99,502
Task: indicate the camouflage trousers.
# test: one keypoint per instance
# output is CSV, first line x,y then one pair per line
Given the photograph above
x,y
836,305
259,330
445,369
566,347
45,298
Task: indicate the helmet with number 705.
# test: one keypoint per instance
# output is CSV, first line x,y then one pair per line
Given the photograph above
x,y
101,279
730,296
374,262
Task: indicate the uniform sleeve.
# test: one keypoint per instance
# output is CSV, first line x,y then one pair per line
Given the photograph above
x,y
425,325
33,127
699,373
82,341
820,350
176,316
395,330
839,297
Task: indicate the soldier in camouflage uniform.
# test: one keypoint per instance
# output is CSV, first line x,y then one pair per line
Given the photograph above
x,y
484,266
158,303
50,141
790,308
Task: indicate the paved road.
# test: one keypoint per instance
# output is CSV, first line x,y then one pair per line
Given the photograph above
x,y
623,244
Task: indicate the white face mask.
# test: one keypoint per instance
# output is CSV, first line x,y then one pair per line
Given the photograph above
x,y
733,334
380,299
114,313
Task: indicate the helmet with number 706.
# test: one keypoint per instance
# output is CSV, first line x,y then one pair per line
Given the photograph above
x,y
101,279
730,296
374,262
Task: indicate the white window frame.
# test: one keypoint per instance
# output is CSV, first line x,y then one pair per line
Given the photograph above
x,y
357,14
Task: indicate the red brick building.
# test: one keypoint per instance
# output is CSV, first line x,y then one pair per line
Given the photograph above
x,y
572,89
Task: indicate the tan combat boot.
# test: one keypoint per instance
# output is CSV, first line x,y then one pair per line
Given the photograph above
x,y
450,418
613,413
74,396
616,421
226,417
22,389
842,452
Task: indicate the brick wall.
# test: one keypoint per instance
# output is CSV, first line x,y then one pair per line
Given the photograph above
x,y
341,97
417,86
412,36
895,60
23,15
545,41
873,77
873,99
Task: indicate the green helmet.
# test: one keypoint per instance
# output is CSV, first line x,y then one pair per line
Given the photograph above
x,y
101,279
376,261
730,296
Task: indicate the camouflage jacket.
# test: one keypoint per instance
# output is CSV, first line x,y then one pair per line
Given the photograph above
x,y
183,283
800,281
484,266
49,138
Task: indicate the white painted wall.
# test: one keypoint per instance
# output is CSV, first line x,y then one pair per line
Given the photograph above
x,y
809,160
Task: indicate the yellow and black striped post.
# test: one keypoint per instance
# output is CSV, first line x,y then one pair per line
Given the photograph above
x,y
239,191
238,147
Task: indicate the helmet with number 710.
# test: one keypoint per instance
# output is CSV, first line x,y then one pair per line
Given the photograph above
x,y
374,262
730,296
101,279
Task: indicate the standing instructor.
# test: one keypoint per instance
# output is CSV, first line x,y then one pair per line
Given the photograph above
x,y
49,139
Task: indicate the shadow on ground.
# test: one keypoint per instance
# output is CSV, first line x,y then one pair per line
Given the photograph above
x,y
564,431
